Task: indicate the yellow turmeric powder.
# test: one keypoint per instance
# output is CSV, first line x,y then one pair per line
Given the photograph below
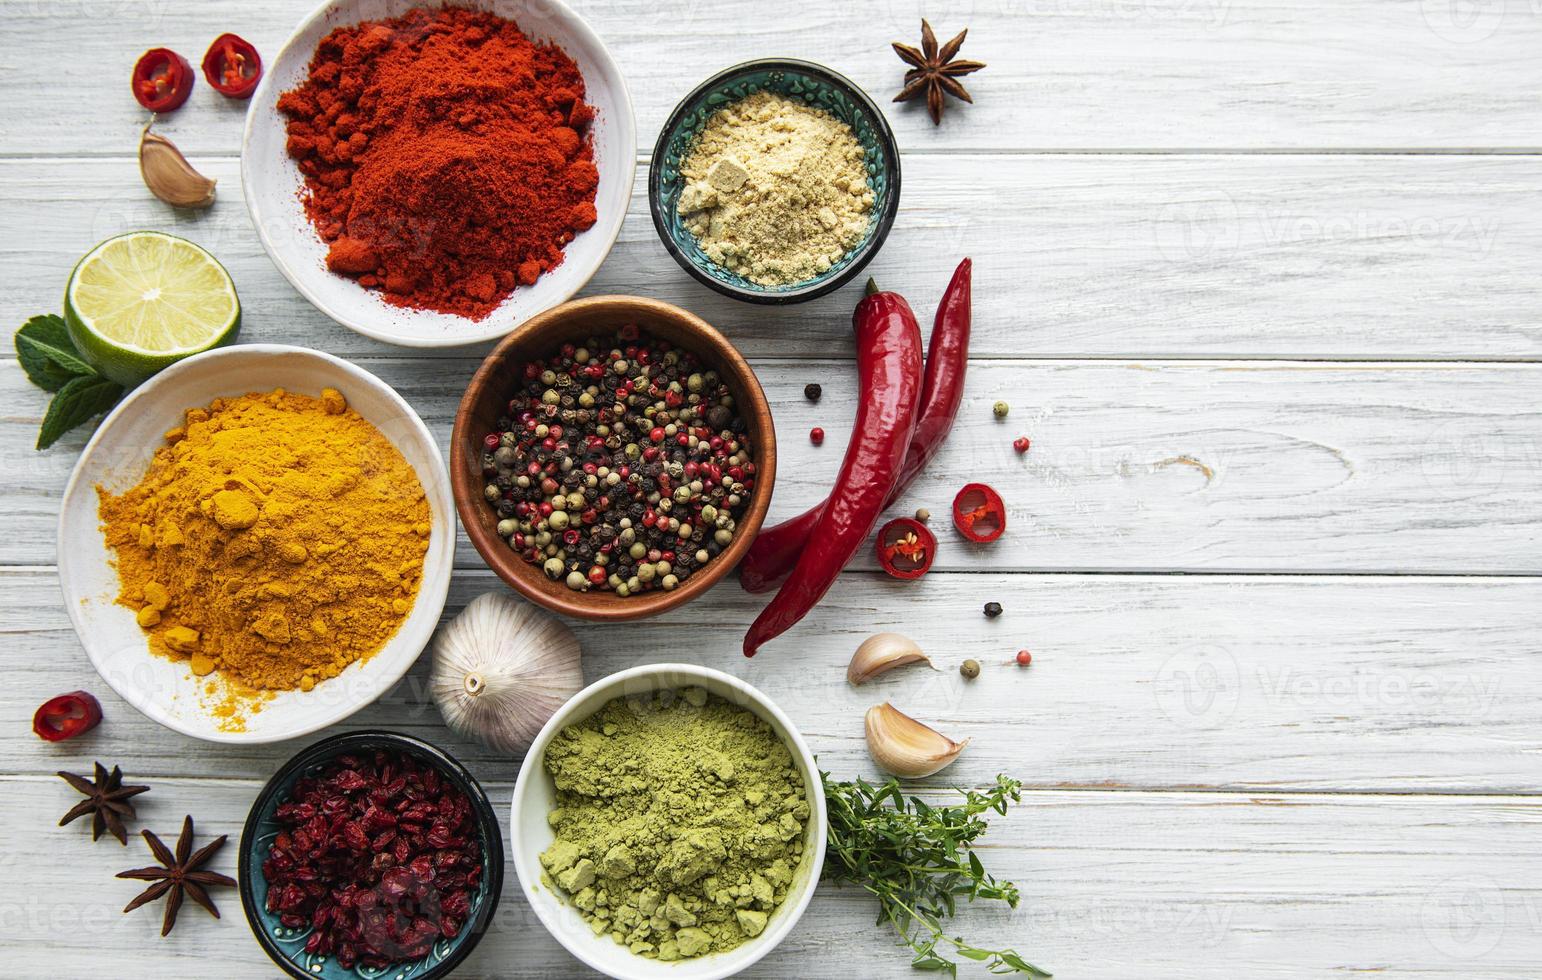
x,y
276,539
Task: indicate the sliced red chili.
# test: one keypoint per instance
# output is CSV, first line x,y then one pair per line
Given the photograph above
x,y
66,716
162,80
978,513
906,548
232,66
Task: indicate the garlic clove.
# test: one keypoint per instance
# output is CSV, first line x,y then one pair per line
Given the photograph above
x,y
904,747
882,652
168,174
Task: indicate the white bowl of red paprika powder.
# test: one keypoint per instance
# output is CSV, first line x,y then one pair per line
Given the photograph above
x,y
432,176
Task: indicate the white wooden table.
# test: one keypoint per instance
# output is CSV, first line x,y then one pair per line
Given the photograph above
x,y
1260,280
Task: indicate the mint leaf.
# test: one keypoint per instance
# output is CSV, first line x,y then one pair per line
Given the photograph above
x,y
46,353
78,401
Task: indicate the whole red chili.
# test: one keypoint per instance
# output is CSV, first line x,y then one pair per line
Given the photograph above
x,y
906,548
162,80
446,157
66,716
232,66
978,513
776,549
889,378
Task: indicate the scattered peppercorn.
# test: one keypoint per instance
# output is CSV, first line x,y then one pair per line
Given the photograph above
x,y
1020,444
992,610
970,669
1024,658
1001,409
923,515
812,392
621,465
816,435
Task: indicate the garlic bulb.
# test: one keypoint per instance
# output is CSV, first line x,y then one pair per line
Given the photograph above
x,y
905,747
501,669
881,652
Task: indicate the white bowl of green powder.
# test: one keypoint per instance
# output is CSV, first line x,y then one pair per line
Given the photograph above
x,y
668,821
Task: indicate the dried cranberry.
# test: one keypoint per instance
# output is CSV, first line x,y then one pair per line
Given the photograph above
x,y
373,854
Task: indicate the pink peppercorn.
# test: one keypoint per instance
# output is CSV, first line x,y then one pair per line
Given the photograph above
x,y
1021,444
816,435
1024,658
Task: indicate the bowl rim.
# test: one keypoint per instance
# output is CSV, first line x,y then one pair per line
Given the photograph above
x,y
754,699
492,326
432,591
799,294
513,570
488,826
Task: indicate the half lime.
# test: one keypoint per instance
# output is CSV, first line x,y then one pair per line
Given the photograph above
x,y
138,302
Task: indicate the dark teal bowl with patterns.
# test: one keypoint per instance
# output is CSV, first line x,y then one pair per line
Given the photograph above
x,y
806,82
285,946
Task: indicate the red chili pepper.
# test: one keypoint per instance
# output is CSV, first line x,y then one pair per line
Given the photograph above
x,y
232,66
978,513
906,548
162,80
889,378
66,716
776,549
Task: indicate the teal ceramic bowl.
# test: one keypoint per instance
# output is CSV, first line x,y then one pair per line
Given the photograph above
x,y
807,82
286,947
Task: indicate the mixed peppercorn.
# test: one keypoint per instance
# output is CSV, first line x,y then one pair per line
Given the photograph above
x,y
622,465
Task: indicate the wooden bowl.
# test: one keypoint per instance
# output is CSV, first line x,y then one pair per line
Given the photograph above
x,y
488,394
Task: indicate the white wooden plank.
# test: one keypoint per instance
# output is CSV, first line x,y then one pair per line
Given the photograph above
x,y
1260,684
1166,466
1075,256
1191,886
1212,74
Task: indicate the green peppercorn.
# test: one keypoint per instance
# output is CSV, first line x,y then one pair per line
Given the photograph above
x,y
576,581
507,526
970,669
492,493
558,519
723,537
1001,409
645,573
638,549
923,515
553,568
669,582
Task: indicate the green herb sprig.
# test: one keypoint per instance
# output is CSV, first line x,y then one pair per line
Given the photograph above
x,y
46,353
917,860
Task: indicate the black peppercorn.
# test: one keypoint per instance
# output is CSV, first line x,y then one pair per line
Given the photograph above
x,y
992,610
812,392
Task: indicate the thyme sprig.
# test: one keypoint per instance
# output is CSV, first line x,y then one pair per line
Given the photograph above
x,y
918,860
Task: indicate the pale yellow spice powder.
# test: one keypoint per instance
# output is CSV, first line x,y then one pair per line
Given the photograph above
x,y
775,190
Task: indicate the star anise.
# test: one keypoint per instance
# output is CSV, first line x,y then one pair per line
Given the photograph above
x,y
107,800
180,873
935,71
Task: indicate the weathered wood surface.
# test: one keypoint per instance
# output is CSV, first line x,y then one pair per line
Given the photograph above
x,y
1165,466
1177,886
1102,74
1258,277
1253,683
1108,256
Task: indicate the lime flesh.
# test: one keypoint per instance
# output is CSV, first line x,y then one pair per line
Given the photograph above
x,y
139,302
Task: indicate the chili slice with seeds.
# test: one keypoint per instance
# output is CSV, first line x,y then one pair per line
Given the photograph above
x,y
232,66
66,716
979,514
906,548
162,80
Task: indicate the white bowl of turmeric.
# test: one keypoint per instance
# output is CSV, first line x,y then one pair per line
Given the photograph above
x,y
256,543
669,822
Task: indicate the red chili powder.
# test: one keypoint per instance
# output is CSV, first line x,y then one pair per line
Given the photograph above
x,y
446,156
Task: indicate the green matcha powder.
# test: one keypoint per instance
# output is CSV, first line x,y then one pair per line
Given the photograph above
x,y
679,822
